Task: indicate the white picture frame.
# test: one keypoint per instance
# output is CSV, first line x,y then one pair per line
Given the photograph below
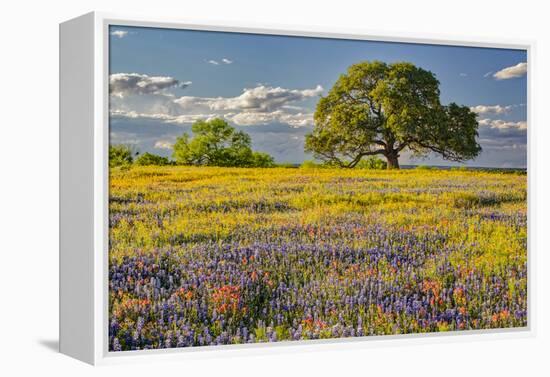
x,y
84,139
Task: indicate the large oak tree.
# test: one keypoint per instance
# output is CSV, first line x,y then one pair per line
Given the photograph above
x,y
383,109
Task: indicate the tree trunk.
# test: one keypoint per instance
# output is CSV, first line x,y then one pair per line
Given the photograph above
x,y
393,160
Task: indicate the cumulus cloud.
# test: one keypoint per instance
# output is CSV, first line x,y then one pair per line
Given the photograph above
x,y
260,105
491,109
239,119
259,99
163,144
124,84
515,71
164,117
119,33
503,143
118,113
218,62
258,118
255,106
503,125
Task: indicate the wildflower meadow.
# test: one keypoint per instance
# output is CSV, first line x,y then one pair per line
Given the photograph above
x,y
208,256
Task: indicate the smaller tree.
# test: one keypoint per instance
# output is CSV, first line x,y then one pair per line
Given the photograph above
x,y
262,160
216,143
120,155
182,153
151,159
371,162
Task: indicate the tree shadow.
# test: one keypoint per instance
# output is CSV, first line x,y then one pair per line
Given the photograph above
x,y
52,345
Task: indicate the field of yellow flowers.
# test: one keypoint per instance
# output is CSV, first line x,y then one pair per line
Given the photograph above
x,y
205,256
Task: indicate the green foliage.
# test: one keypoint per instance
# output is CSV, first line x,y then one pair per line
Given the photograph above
x,y
425,167
261,334
216,143
152,159
181,152
371,162
310,164
382,109
262,160
120,155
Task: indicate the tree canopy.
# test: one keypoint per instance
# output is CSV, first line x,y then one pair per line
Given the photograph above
x,y
216,143
120,155
147,159
382,109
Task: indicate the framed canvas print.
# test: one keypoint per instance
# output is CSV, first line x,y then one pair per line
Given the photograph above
x,y
226,188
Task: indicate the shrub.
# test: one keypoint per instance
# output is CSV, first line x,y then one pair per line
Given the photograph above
x,y
425,167
152,159
310,164
262,160
120,155
372,163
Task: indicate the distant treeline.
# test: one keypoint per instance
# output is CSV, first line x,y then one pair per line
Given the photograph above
x,y
124,156
216,143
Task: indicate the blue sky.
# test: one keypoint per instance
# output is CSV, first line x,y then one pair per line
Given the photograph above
x,y
162,80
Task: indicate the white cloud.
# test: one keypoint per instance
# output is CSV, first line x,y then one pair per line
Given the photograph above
x,y
491,109
164,117
192,118
217,62
124,84
258,118
260,105
135,115
503,125
119,33
488,74
517,70
259,99
239,119
462,74
163,144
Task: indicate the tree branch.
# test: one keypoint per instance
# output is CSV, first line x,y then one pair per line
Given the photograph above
x,y
358,158
446,154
